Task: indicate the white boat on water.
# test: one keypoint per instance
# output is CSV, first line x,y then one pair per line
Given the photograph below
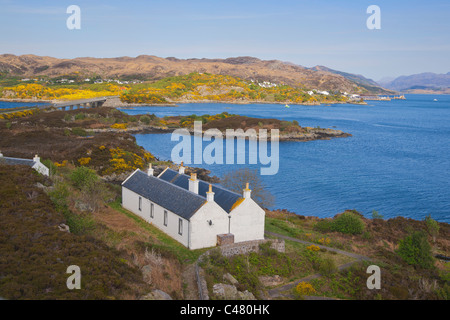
x,y
435,100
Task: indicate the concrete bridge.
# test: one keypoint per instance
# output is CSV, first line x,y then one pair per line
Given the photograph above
x,y
78,104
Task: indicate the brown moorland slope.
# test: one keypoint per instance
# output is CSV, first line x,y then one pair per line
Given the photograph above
x,y
147,67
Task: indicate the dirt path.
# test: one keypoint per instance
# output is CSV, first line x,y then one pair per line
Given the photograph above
x,y
190,288
284,291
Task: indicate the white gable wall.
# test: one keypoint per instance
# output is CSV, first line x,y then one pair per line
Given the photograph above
x,y
39,167
130,201
247,221
203,234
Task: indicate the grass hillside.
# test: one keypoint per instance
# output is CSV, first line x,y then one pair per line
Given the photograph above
x,y
35,254
203,86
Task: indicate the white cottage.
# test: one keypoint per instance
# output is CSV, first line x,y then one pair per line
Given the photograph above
x,y
192,211
34,163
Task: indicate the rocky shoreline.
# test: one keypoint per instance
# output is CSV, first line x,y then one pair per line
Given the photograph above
x,y
311,135
114,102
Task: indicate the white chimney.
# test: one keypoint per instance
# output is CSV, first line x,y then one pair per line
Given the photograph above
x,y
150,170
210,194
193,183
181,168
247,192
36,159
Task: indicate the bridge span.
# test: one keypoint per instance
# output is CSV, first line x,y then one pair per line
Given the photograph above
x,y
77,104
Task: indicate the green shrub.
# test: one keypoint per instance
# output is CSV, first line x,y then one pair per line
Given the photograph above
x,y
327,266
323,225
68,117
376,215
79,132
217,259
80,116
415,250
8,125
349,223
78,224
59,194
145,119
83,177
432,227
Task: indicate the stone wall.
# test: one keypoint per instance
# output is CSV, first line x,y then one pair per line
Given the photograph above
x,y
250,246
229,251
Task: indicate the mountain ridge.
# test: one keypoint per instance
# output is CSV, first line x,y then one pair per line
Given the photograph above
x,y
150,67
425,82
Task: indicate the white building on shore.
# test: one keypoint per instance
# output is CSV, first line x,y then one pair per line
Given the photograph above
x,y
193,212
34,163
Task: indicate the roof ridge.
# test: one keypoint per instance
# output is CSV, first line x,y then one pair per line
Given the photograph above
x,y
200,180
172,184
17,158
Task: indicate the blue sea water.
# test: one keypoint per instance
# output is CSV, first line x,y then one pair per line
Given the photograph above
x,y
8,105
397,162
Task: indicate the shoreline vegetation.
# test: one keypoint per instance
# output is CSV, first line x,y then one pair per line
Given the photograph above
x,y
101,120
91,151
194,87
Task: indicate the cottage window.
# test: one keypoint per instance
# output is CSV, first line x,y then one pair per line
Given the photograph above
x,y
165,218
180,226
140,204
152,210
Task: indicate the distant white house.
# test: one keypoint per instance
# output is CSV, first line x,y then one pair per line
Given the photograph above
x,y
34,163
326,93
192,211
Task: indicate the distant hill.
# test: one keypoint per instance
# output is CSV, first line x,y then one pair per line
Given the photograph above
x,y
368,84
426,82
147,67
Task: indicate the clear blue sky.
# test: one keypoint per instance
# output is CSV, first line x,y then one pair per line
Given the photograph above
x,y
414,35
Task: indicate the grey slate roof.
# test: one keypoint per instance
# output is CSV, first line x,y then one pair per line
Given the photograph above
x,y
17,161
171,197
223,197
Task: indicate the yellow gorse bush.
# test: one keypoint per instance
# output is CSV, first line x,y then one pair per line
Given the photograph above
x,y
324,241
84,161
305,289
123,161
121,126
18,114
34,90
313,248
62,164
